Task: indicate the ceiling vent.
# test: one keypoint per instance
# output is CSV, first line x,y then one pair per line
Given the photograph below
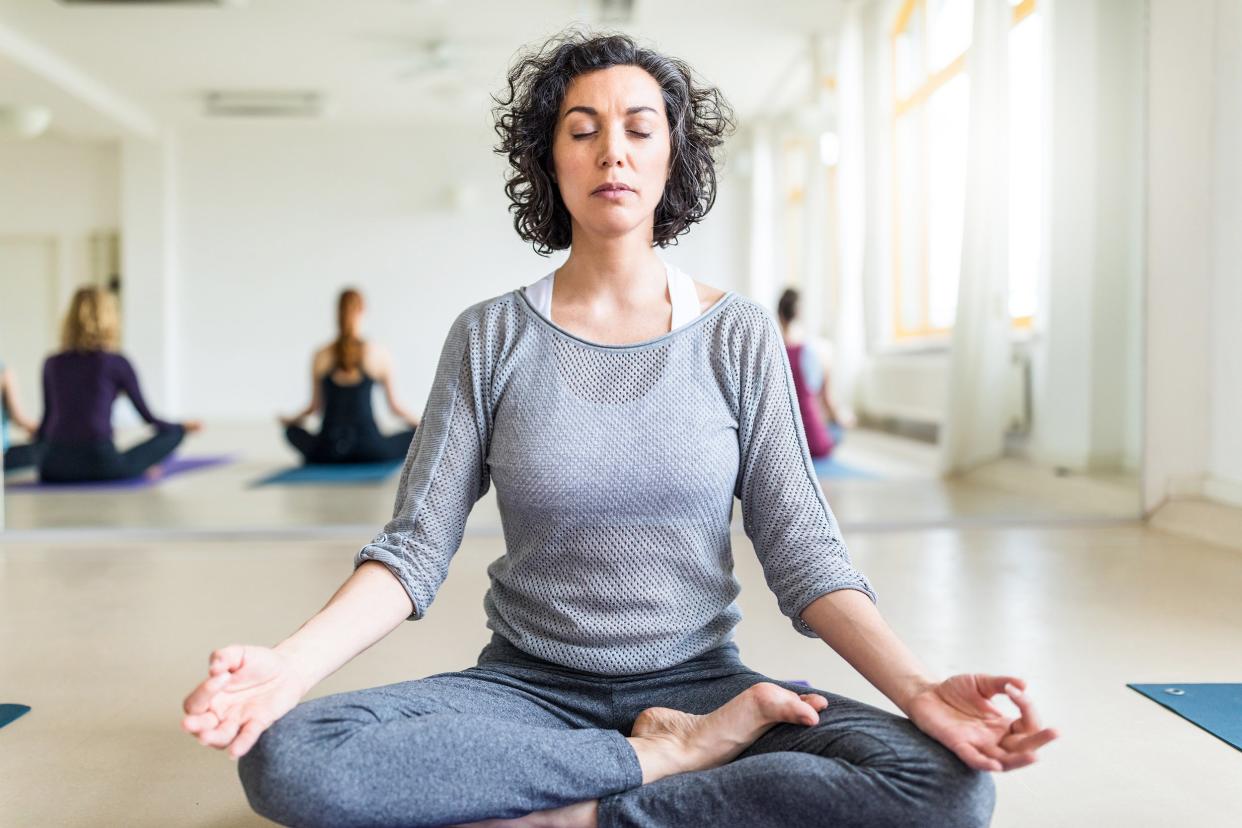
x,y
218,3
615,12
259,104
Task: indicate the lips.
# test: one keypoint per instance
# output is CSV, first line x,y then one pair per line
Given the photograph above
x,y
612,187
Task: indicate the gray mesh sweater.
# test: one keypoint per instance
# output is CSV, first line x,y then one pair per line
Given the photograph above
x,y
615,468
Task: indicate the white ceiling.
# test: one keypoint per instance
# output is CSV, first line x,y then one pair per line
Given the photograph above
x,y
356,52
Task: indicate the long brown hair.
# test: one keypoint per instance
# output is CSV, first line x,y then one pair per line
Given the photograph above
x,y
92,323
347,350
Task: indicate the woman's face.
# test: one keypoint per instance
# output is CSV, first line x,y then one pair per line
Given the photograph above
x,y
611,151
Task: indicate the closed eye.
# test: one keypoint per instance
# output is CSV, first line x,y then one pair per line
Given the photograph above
x,y
579,135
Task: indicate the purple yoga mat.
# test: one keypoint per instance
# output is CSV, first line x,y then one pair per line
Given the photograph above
x,y
171,466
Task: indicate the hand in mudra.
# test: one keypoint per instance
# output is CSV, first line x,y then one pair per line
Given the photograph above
x,y
958,714
247,689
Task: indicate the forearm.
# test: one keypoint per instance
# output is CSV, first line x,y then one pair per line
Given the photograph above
x,y
830,411
850,624
368,606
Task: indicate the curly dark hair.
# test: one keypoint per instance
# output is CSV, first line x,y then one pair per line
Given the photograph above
x,y
526,113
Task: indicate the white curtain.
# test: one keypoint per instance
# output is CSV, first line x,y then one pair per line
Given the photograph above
x,y
973,430
849,345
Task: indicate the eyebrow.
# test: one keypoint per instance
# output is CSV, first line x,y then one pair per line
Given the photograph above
x,y
590,110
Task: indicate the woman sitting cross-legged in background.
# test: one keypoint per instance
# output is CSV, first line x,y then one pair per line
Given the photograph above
x,y
820,419
342,377
619,407
17,456
80,384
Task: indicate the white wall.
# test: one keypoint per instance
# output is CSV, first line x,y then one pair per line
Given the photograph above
x,y
61,190
1181,103
1086,360
58,193
1225,452
273,220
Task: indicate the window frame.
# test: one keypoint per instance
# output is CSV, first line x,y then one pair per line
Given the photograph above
x,y
912,106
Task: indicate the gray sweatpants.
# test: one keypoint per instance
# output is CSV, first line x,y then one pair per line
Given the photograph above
x,y
516,734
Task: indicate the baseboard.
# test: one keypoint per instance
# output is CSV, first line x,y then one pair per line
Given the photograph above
x,y
1205,520
1223,490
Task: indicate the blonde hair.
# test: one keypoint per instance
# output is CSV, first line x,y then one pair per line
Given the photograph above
x,y
347,350
93,322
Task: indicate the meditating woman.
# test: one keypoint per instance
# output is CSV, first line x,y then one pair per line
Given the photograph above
x,y
618,417
343,375
820,420
80,385
22,455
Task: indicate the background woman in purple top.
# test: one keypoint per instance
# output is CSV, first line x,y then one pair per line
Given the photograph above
x,y
79,386
819,416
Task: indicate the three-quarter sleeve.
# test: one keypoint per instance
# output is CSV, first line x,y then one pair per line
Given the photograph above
x,y
445,472
784,511
127,381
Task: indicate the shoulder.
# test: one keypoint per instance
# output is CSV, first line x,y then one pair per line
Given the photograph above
x,y
375,357
708,295
497,317
747,318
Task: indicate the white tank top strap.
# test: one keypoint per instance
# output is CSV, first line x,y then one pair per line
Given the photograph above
x,y
681,292
540,295
684,296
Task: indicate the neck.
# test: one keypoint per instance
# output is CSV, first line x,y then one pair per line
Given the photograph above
x,y
621,271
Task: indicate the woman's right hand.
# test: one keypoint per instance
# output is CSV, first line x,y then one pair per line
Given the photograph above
x,y
247,689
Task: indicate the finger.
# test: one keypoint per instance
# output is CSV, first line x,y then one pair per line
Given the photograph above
x,y
249,734
992,750
1030,719
1019,760
995,685
221,736
197,723
200,699
969,754
228,658
1029,743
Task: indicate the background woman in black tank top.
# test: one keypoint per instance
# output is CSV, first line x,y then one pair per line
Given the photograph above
x,y
342,377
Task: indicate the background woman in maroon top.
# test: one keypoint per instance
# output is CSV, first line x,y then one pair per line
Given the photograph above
x,y
80,385
820,418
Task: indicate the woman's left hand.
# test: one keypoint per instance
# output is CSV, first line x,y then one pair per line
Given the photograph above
x,y
958,714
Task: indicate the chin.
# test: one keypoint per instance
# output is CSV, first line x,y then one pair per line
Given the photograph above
x,y
618,223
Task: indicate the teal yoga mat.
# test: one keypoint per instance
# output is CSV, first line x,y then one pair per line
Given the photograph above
x,y
334,473
11,712
834,470
1217,708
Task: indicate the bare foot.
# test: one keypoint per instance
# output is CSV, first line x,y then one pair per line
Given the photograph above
x,y
578,815
670,742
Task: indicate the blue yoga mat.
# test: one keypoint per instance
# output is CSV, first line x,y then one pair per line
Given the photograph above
x,y
333,473
1217,708
833,469
12,712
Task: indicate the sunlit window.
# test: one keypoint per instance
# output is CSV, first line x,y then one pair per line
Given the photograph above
x,y
931,117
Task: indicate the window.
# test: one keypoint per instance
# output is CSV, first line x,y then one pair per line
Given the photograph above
x,y
931,116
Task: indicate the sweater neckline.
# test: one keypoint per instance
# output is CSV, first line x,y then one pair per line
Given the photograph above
x,y
715,309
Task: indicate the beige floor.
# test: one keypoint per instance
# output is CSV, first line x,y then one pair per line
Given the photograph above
x,y
104,639
905,490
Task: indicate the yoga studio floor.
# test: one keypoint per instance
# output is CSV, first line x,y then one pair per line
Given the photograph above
x,y
103,637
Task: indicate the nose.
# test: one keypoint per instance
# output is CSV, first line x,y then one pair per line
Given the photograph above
x,y
612,153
